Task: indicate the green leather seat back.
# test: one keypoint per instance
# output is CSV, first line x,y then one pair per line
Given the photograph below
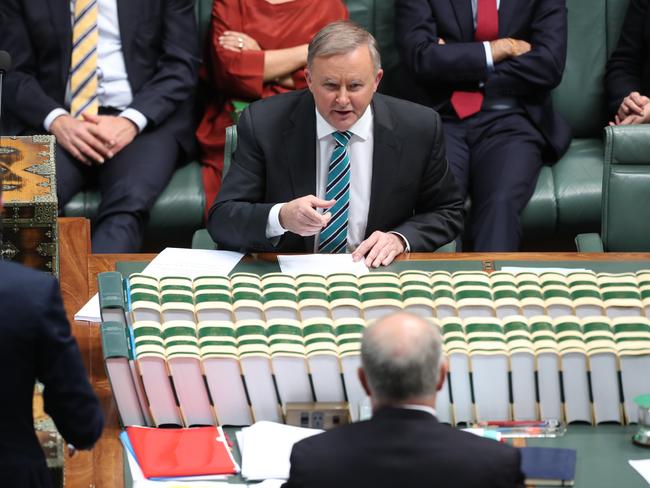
x,y
626,198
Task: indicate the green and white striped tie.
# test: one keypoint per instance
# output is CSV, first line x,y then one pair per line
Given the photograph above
x,y
333,238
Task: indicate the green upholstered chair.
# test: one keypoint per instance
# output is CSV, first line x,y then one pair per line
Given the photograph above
x,y
178,211
567,197
625,221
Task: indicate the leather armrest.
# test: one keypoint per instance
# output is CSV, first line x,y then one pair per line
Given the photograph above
x,y
627,144
589,243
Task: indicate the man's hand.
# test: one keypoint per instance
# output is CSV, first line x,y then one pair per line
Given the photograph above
x,y
300,216
508,47
113,131
78,138
633,110
380,249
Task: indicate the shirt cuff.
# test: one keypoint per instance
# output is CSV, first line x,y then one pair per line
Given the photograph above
x,y
53,115
273,227
136,117
488,56
407,246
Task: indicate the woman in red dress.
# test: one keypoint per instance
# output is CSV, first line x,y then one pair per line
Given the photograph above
x,y
258,49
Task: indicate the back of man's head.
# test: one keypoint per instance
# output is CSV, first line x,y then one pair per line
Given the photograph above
x,y
401,356
342,37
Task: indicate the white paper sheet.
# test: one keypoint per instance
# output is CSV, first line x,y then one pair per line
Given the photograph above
x,y
190,263
324,264
174,261
266,449
643,467
522,269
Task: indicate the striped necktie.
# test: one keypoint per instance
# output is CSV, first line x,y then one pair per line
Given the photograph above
x,y
333,238
83,67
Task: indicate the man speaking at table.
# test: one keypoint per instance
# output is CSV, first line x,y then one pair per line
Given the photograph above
x,y
338,168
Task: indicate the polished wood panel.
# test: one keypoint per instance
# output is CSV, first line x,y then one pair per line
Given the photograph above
x,y
79,282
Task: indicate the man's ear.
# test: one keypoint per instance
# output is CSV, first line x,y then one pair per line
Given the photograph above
x,y
442,375
378,77
364,380
308,77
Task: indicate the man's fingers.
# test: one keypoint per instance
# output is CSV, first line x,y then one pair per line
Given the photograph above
x,y
389,259
96,143
92,118
382,253
320,203
365,246
632,106
88,151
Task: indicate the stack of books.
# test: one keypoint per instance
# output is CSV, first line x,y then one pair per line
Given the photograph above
x,y
232,350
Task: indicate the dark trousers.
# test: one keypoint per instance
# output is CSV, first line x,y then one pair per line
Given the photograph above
x,y
496,158
128,183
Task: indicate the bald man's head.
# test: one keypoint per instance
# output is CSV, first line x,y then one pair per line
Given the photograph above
x,y
401,356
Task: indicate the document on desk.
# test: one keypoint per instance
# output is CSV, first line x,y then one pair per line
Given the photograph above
x,y
174,261
266,449
643,467
323,264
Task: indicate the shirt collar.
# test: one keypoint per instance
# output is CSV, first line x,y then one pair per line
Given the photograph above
x,y
362,128
421,408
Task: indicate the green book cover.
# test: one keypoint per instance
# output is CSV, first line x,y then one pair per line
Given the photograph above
x,y
111,297
115,340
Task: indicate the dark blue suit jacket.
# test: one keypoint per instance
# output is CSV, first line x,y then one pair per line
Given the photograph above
x,y
628,69
159,43
460,63
35,344
400,447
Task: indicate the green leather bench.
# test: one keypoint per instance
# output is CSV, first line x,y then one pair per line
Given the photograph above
x,y
567,199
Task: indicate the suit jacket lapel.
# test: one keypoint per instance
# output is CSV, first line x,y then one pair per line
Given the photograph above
x,y
507,9
127,14
299,146
464,18
61,16
385,162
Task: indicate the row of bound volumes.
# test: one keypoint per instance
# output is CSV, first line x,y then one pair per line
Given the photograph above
x,y
233,350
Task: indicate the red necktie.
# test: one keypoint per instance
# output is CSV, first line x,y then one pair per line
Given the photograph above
x,y
487,29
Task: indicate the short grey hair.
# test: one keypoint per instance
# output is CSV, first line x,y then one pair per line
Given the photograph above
x,y
342,37
400,369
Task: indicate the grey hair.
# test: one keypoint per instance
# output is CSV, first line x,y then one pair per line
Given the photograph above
x,y
342,37
397,370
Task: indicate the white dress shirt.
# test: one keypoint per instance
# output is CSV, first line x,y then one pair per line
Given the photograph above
x,y
113,88
360,151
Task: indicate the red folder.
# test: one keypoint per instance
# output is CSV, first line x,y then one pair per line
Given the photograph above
x,y
192,451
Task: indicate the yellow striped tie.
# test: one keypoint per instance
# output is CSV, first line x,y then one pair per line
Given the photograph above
x,y
83,69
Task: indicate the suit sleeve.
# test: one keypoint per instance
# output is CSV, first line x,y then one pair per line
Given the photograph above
x,y
68,396
296,478
237,219
176,73
417,35
541,68
439,213
625,67
23,94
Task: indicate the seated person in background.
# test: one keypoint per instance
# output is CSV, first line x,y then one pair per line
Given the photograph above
x,y
258,49
488,67
338,168
114,82
35,344
628,70
403,444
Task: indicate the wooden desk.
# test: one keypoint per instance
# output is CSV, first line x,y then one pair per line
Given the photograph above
x,y
102,467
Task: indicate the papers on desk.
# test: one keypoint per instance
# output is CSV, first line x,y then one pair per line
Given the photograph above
x,y
266,448
642,466
323,264
174,261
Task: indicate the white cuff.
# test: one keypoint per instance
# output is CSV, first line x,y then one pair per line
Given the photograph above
x,y
273,227
53,115
488,56
136,117
407,246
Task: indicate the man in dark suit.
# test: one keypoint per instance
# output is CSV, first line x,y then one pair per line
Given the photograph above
x,y
628,70
338,168
488,67
403,444
35,344
113,80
